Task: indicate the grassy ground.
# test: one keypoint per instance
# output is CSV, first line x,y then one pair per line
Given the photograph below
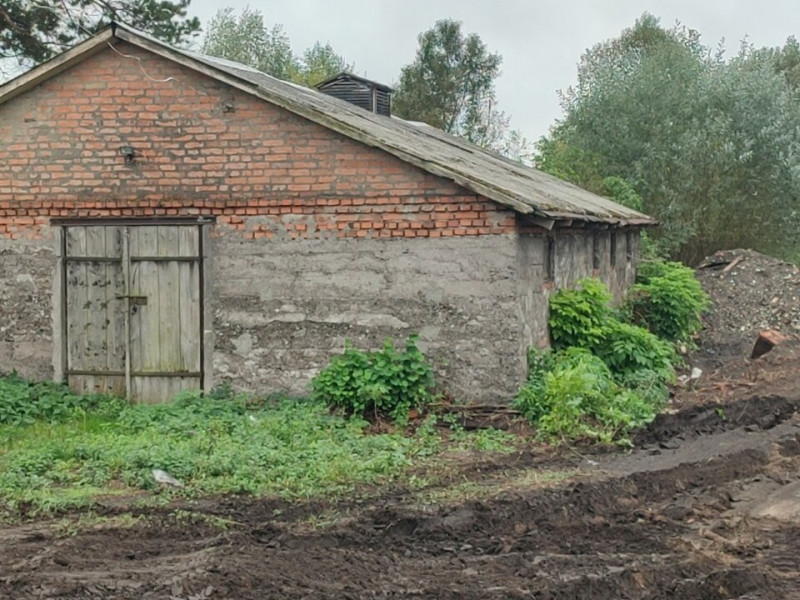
x,y
60,451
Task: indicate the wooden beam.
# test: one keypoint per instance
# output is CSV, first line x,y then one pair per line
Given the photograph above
x,y
547,224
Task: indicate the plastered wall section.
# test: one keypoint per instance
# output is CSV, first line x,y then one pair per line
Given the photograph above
x,y
27,271
283,309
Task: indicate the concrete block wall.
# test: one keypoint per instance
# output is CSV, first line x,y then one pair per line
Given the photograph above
x,y
576,255
27,269
281,310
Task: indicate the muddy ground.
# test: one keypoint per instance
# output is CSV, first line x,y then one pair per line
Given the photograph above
x,y
706,506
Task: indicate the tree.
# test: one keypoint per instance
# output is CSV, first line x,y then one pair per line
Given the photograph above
x,y
785,61
450,85
321,62
248,40
31,31
712,145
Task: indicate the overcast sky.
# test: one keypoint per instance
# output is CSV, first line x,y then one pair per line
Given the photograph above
x,y
540,40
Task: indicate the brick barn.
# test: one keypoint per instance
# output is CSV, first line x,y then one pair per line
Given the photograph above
x,y
170,220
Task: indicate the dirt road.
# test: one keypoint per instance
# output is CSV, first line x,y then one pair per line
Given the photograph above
x,y
707,506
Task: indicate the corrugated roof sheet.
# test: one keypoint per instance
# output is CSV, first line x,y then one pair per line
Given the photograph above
x,y
525,189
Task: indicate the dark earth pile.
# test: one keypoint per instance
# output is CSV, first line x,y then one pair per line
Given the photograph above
x,y
750,292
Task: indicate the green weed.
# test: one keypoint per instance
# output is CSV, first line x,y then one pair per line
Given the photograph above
x,y
385,381
290,448
668,300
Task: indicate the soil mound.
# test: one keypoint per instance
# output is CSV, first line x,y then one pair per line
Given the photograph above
x,y
750,292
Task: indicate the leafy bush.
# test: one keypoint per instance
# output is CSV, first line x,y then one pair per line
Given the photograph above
x,y
577,317
628,349
23,402
385,381
605,377
668,300
583,318
572,394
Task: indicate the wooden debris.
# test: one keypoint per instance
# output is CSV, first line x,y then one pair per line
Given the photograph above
x,y
733,263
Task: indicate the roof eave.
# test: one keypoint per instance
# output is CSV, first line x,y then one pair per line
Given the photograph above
x,y
55,65
639,220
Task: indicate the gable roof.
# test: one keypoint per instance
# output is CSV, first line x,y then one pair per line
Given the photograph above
x,y
524,189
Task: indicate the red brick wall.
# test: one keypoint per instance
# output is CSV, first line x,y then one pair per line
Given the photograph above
x,y
205,148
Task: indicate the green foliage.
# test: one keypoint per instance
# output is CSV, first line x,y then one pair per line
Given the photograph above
x,y
606,376
578,317
320,62
450,81
32,32
572,395
708,142
668,300
385,381
628,349
583,318
622,192
451,86
248,40
22,402
292,448
569,162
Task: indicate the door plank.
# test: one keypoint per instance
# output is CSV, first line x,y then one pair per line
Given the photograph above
x,y
115,311
190,300
169,300
77,299
144,282
96,327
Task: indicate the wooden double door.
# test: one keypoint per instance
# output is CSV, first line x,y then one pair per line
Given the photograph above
x,y
132,315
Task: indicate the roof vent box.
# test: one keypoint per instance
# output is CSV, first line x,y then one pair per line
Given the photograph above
x,y
369,95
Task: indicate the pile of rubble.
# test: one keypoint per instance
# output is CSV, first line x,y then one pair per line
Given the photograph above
x,y
750,293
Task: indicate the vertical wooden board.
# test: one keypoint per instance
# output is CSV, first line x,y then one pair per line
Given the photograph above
x,y
153,390
147,241
77,299
169,300
144,282
115,302
135,319
96,326
189,280
190,295
76,241
188,241
115,385
187,384
141,391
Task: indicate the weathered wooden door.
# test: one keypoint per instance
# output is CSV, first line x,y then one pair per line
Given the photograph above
x,y
133,309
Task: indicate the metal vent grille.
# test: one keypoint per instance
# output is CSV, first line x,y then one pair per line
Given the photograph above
x,y
366,94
